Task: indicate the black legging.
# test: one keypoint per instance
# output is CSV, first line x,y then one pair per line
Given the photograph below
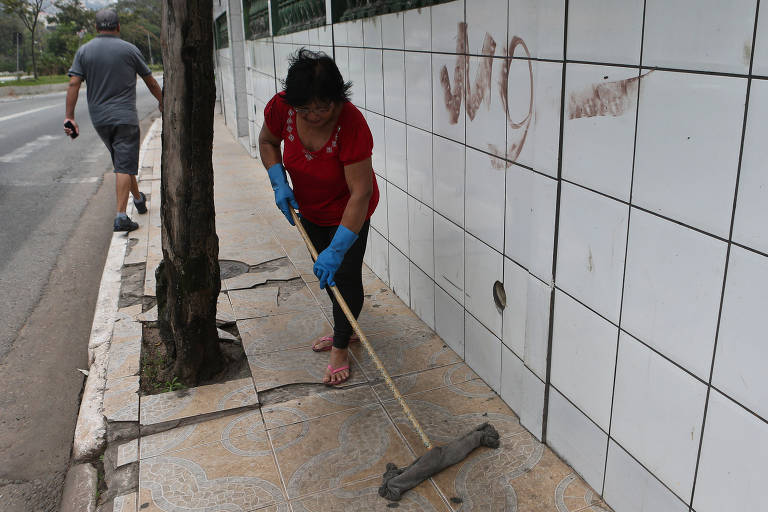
x,y
348,278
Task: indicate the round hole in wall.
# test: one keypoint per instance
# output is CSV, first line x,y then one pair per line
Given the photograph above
x,y
499,295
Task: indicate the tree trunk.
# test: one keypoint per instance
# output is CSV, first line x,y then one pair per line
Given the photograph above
x,y
188,278
34,54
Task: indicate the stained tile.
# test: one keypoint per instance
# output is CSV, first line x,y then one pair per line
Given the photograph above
x,y
404,352
281,332
202,433
274,369
127,453
448,112
451,411
121,399
363,442
426,380
235,474
125,503
190,402
272,299
317,405
364,496
695,48
124,355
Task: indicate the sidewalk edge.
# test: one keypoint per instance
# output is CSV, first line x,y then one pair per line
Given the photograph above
x,y
91,427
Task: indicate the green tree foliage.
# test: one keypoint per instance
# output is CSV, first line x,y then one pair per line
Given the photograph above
x,y
10,25
71,26
140,24
28,11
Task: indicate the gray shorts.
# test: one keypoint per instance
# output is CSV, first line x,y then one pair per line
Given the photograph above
x,y
122,141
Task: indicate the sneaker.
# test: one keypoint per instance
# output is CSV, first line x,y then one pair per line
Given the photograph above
x,y
125,224
141,204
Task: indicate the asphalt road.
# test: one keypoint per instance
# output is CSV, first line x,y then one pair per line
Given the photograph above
x,y
56,209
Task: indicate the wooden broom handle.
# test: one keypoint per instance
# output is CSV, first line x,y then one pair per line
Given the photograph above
x,y
364,340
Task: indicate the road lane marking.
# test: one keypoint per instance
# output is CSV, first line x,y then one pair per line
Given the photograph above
x,y
19,114
25,150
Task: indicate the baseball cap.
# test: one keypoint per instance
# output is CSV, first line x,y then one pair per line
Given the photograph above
x,y
106,19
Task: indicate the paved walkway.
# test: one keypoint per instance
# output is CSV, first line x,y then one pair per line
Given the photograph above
x,y
281,442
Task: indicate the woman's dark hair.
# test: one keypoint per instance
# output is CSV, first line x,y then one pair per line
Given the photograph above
x,y
314,76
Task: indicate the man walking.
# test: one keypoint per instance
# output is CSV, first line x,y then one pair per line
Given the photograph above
x,y
109,65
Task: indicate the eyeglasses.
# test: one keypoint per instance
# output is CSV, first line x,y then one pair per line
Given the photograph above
x,y
317,110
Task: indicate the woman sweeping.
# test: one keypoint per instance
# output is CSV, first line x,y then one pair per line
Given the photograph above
x,y
327,152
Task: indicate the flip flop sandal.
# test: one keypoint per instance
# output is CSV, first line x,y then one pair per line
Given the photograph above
x,y
334,371
326,348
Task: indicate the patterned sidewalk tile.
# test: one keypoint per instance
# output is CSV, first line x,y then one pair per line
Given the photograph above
x,y
125,325
375,318
281,332
363,496
405,352
452,411
277,270
521,475
273,369
206,432
297,251
186,403
435,378
126,503
236,474
124,356
342,448
272,299
127,453
317,405
320,295
121,399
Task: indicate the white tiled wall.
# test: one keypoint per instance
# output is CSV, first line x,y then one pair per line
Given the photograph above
x,y
595,158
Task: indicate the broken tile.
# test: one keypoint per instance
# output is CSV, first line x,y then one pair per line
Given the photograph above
x,y
317,405
281,332
125,503
274,369
205,432
127,453
186,403
272,299
277,270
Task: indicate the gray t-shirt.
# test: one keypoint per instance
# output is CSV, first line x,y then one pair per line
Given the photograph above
x,y
109,66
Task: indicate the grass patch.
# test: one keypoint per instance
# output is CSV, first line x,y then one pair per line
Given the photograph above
x,y
43,80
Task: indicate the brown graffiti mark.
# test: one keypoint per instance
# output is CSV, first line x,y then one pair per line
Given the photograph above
x,y
482,87
453,98
463,90
604,99
518,131
475,94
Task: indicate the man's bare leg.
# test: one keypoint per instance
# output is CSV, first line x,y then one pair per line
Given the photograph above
x,y
134,189
122,189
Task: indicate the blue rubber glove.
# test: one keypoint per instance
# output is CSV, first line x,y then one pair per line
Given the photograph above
x,y
283,194
329,261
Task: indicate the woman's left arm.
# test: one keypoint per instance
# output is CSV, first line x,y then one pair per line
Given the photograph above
x,y
359,178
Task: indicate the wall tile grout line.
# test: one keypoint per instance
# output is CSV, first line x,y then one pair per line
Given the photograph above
x,y
556,235
727,257
626,252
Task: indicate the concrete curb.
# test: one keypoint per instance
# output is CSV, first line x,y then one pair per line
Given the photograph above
x,y
91,428
80,488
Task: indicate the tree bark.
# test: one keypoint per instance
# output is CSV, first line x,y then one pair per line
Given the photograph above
x,y
188,278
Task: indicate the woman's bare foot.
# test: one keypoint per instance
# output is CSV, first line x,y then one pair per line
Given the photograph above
x,y
322,343
339,359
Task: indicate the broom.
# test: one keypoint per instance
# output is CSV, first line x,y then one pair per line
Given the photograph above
x,y
398,480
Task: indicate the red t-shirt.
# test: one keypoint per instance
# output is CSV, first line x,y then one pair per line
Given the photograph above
x,y
318,176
